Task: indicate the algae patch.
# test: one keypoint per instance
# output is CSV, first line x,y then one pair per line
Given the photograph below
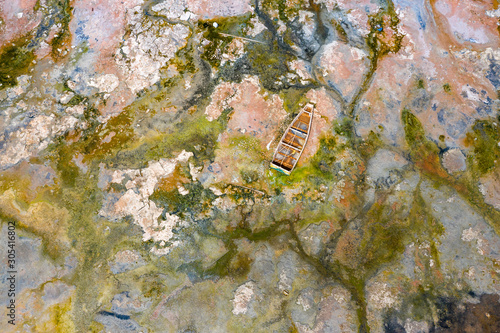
x,y
15,60
485,140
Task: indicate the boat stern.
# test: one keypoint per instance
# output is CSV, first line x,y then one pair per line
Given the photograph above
x,y
280,169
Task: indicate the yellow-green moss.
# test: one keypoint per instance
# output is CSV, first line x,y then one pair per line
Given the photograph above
x,y
269,63
15,60
59,44
212,30
485,138
287,11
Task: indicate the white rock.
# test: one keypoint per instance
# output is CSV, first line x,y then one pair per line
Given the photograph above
x,y
493,13
147,49
416,326
490,189
381,296
242,298
221,98
136,203
105,83
66,97
35,137
172,9
454,160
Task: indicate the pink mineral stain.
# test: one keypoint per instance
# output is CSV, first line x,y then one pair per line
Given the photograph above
x,y
466,22
18,17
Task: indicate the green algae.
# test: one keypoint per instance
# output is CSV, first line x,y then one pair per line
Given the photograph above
x,y
279,180
293,98
119,127
236,263
287,11
196,201
414,131
58,43
16,58
233,263
293,329
345,127
385,19
79,194
324,159
184,63
217,30
69,172
447,88
75,100
93,248
425,155
198,133
269,63
53,247
249,176
484,139
341,33
89,142
60,318
321,168
245,143
314,213
379,46
194,131
384,240
20,182
422,150
370,145
384,237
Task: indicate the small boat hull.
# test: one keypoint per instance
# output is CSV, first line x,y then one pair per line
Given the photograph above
x,y
292,143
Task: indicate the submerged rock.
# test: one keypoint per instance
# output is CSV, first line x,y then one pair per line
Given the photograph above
x,y
343,67
454,161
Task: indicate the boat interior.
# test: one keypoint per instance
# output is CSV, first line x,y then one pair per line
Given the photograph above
x,y
295,138
292,143
302,123
286,157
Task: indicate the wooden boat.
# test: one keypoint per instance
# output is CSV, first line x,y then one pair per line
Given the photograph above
x,y
294,140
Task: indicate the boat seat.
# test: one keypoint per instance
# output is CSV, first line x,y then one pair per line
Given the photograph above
x,y
293,140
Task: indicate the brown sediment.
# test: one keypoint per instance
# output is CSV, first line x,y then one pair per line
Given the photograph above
x,y
173,181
